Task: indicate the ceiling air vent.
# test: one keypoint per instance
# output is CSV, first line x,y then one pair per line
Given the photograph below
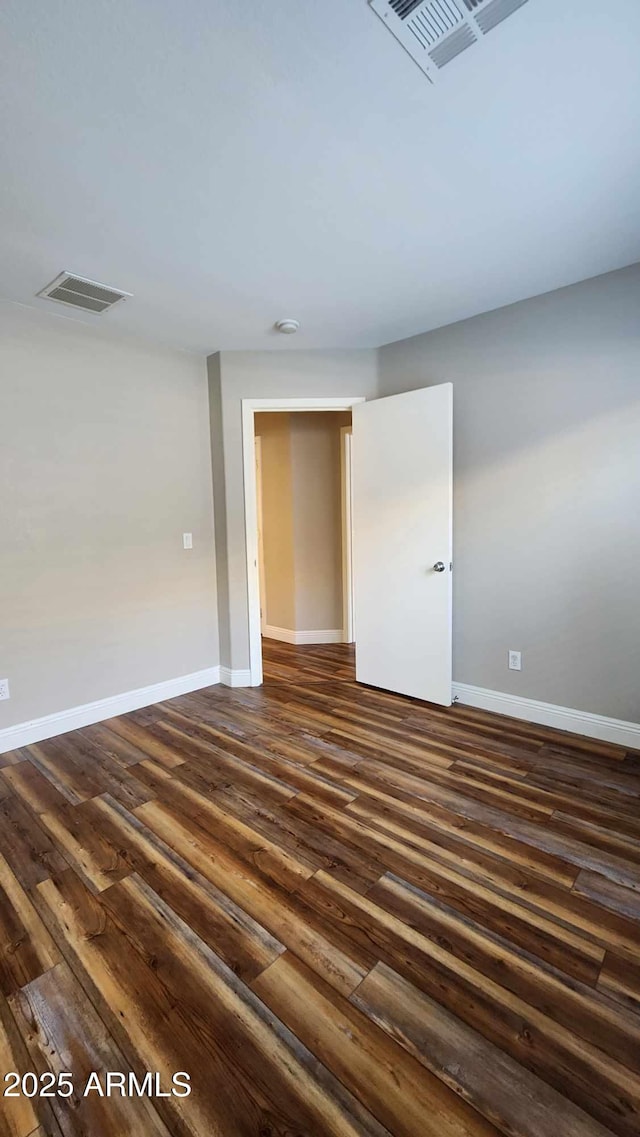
x,y
82,293
436,31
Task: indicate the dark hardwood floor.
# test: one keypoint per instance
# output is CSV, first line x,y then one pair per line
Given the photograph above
x,y
339,911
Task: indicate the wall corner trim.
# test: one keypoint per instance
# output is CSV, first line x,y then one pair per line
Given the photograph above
x,y
318,636
617,731
50,726
232,678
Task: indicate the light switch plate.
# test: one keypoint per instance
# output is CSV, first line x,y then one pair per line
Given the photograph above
x,y
187,540
4,689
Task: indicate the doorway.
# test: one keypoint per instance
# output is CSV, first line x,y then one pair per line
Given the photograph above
x,y
303,493
254,459
402,537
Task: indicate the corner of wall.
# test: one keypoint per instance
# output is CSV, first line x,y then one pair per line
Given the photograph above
x,y
219,504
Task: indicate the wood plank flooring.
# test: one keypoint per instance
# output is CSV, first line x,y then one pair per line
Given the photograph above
x,y
339,911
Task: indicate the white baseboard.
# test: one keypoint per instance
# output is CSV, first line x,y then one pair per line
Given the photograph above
x,y
49,726
531,710
288,636
235,678
548,714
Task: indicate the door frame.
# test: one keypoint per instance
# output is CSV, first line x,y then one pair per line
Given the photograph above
x,y
346,442
249,409
259,507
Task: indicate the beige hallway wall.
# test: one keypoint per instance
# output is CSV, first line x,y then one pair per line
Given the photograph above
x,y
302,519
317,513
104,463
279,601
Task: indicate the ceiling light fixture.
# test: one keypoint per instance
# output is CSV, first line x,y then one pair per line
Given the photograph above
x,y
287,327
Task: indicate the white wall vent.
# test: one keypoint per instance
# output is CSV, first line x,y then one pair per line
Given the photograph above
x,y
82,293
436,31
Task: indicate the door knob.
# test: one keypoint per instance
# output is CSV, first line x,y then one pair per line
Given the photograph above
x,y
439,566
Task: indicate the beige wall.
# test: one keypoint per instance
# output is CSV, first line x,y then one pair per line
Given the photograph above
x,y
104,463
238,375
279,601
547,490
302,519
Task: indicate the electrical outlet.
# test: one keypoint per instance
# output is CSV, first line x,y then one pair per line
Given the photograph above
x,y
4,689
187,540
515,660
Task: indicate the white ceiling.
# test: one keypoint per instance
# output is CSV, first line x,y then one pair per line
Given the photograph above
x,y
233,163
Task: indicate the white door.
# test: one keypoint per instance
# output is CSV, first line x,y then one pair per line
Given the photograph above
x,y
402,542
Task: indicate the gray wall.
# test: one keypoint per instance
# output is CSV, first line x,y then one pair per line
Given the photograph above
x,y
238,375
547,490
216,442
104,463
105,456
